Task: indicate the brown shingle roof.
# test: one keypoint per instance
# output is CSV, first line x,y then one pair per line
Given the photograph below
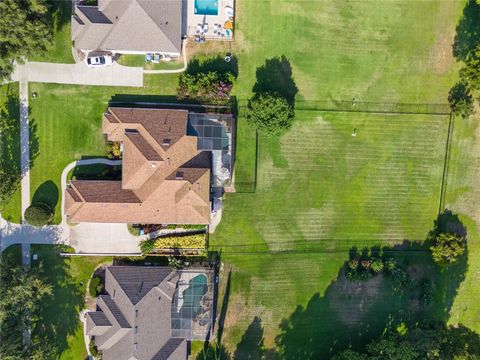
x,y
165,179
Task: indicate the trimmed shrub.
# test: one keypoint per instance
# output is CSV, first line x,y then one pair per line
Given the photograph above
x,y
377,265
96,286
38,214
134,230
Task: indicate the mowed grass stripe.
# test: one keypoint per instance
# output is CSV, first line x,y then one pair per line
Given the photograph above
x,y
320,184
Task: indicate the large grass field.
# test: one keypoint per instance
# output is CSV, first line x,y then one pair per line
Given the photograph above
x,y
322,191
388,51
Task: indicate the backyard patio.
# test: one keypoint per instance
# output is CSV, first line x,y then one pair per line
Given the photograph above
x,y
210,19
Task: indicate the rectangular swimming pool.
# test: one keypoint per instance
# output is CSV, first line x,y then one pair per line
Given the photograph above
x,y
206,7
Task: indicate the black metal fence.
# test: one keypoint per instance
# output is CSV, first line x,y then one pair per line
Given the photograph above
x,y
365,106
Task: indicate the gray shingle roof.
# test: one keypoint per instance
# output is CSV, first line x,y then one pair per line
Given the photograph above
x,y
138,306
137,281
130,25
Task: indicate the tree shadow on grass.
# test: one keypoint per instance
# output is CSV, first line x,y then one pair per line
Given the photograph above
x,y
59,315
468,31
10,151
47,193
276,76
251,346
360,311
59,13
217,64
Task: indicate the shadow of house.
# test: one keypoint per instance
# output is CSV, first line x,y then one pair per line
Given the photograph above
x,y
467,34
276,76
360,311
216,64
47,193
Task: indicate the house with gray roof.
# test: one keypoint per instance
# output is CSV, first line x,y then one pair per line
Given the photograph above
x,y
133,318
129,27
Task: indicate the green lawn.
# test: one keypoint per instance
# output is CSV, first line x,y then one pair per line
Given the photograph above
x,y
10,147
139,60
323,191
463,196
67,121
388,51
61,49
60,315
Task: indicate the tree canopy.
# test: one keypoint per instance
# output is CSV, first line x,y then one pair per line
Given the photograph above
x,y
447,248
21,293
461,100
422,342
270,113
24,31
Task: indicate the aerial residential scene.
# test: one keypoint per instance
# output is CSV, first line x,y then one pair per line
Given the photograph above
x,y
239,179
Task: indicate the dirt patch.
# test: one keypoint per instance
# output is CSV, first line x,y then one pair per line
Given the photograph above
x,y
441,55
352,300
207,48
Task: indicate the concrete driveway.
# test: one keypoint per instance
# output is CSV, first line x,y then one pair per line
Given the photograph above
x,y
81,74
98,238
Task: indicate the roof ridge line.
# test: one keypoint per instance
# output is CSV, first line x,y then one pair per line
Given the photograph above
x,y
146,12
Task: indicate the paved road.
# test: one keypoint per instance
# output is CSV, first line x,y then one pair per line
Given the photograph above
x,y
24,138
11,234
80,74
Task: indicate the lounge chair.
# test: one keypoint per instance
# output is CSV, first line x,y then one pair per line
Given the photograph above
x,y
205,28
229,13
199,29
148,57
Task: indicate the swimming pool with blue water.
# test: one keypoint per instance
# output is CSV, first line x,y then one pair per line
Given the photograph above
x,y
206,7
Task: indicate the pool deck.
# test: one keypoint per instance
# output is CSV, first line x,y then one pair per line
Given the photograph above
x,y
193,20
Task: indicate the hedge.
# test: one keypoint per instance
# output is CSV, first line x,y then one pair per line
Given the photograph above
x,y
195,241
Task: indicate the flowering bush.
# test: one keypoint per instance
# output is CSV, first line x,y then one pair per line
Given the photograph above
x,y
211,87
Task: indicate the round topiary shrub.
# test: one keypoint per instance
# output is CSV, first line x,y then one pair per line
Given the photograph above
x,y
38,214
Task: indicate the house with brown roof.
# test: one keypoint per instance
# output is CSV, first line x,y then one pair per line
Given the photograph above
x,y
166,178
129,27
